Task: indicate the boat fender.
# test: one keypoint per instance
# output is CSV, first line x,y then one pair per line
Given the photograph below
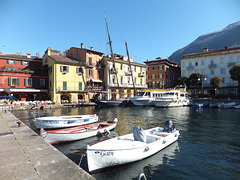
x,y
43,133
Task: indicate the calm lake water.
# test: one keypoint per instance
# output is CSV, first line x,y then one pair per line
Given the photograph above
x,y
208,147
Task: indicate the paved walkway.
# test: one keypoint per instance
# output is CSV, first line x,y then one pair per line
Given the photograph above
x,y
24,155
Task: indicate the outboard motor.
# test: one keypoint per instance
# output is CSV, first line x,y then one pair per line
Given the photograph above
x,y
168,126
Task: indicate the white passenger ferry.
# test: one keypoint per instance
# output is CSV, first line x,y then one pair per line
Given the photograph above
x,y
146,98
172,98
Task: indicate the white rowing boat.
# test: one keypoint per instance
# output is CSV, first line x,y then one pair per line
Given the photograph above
x,y
131,147
78,132
52,122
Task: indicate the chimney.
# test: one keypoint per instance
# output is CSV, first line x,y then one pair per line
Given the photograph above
x,y
0,52
17,53
91,48
81,45
205,49
158,58
37,54
28,55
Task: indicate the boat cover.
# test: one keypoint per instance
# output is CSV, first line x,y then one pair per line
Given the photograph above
x,y
139,134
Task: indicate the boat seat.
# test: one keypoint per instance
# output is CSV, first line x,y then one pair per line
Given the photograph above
x,y
139,134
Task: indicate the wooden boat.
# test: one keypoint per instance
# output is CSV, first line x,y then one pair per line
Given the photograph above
x,y
52,122
78,132
131,147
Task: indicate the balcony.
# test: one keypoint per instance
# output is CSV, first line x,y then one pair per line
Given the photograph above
x,y
128,85
190,68
128,73
113,71
212,65
141,74
230,64
90,64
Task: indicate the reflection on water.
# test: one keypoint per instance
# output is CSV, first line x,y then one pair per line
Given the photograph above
x,y
209,141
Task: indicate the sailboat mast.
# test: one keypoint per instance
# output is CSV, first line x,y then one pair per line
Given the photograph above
x,y
130,69
110,44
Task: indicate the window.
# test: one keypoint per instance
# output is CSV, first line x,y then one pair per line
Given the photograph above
x,y
141,81
222,60
121,80
50,70
25,62
113,79
42,83
129,80
222,71
90,61
160,67
90,73
190,64
160,75
79,70
146,76
212,62
11,61
135,69
121,67
153,76
28,82
13,81
202,63
153,68
50,84
196,63
212,71
64,69
80,86
64,85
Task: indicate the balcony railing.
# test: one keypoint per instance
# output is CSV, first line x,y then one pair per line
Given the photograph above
x,y
113,71
141,74
230,64
212,65
128,73
126,85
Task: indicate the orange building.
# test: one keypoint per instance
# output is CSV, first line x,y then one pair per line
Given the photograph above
x,y
162,73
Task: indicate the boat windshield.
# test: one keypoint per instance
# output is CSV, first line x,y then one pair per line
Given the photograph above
x,y
168,94
140,93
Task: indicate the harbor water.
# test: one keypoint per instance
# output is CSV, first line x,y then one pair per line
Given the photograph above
x,y
208,147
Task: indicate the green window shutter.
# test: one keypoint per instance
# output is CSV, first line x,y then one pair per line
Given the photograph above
x,y
64,85
25,82
18,82
67,68
82,70
61,68
77,70
80,86
15,61
8,61
9,81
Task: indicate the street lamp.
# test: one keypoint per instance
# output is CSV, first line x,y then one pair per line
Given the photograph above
x,y
204,79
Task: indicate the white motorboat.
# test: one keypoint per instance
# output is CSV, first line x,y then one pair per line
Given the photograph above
x,y
237,106
109,103
78,132
173,98
146,98
52,122
131,147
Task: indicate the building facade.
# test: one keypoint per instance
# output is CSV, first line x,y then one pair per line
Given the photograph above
x,y
66,78
93,70
162,73
22,77
212,63
121,82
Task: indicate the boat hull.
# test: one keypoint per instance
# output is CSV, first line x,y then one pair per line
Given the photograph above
x,y
126,150
77,133
109,103
142,102
64,121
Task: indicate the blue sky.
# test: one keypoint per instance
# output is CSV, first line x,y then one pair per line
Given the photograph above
x,y
152,28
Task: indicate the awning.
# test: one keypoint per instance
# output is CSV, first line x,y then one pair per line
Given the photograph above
x,y
11,90
96,80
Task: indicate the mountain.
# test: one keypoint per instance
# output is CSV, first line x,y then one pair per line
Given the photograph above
x,y
229,36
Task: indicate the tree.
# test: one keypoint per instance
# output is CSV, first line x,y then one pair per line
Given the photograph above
x,y
181,81
235,75
196,79
216,82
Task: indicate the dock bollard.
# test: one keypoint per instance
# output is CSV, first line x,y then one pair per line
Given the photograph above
x,y
19,123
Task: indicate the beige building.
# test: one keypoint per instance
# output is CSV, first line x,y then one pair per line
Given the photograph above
x,y
66,78
120,83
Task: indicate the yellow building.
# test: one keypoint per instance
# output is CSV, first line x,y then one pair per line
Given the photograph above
x,y
66,78
119,83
